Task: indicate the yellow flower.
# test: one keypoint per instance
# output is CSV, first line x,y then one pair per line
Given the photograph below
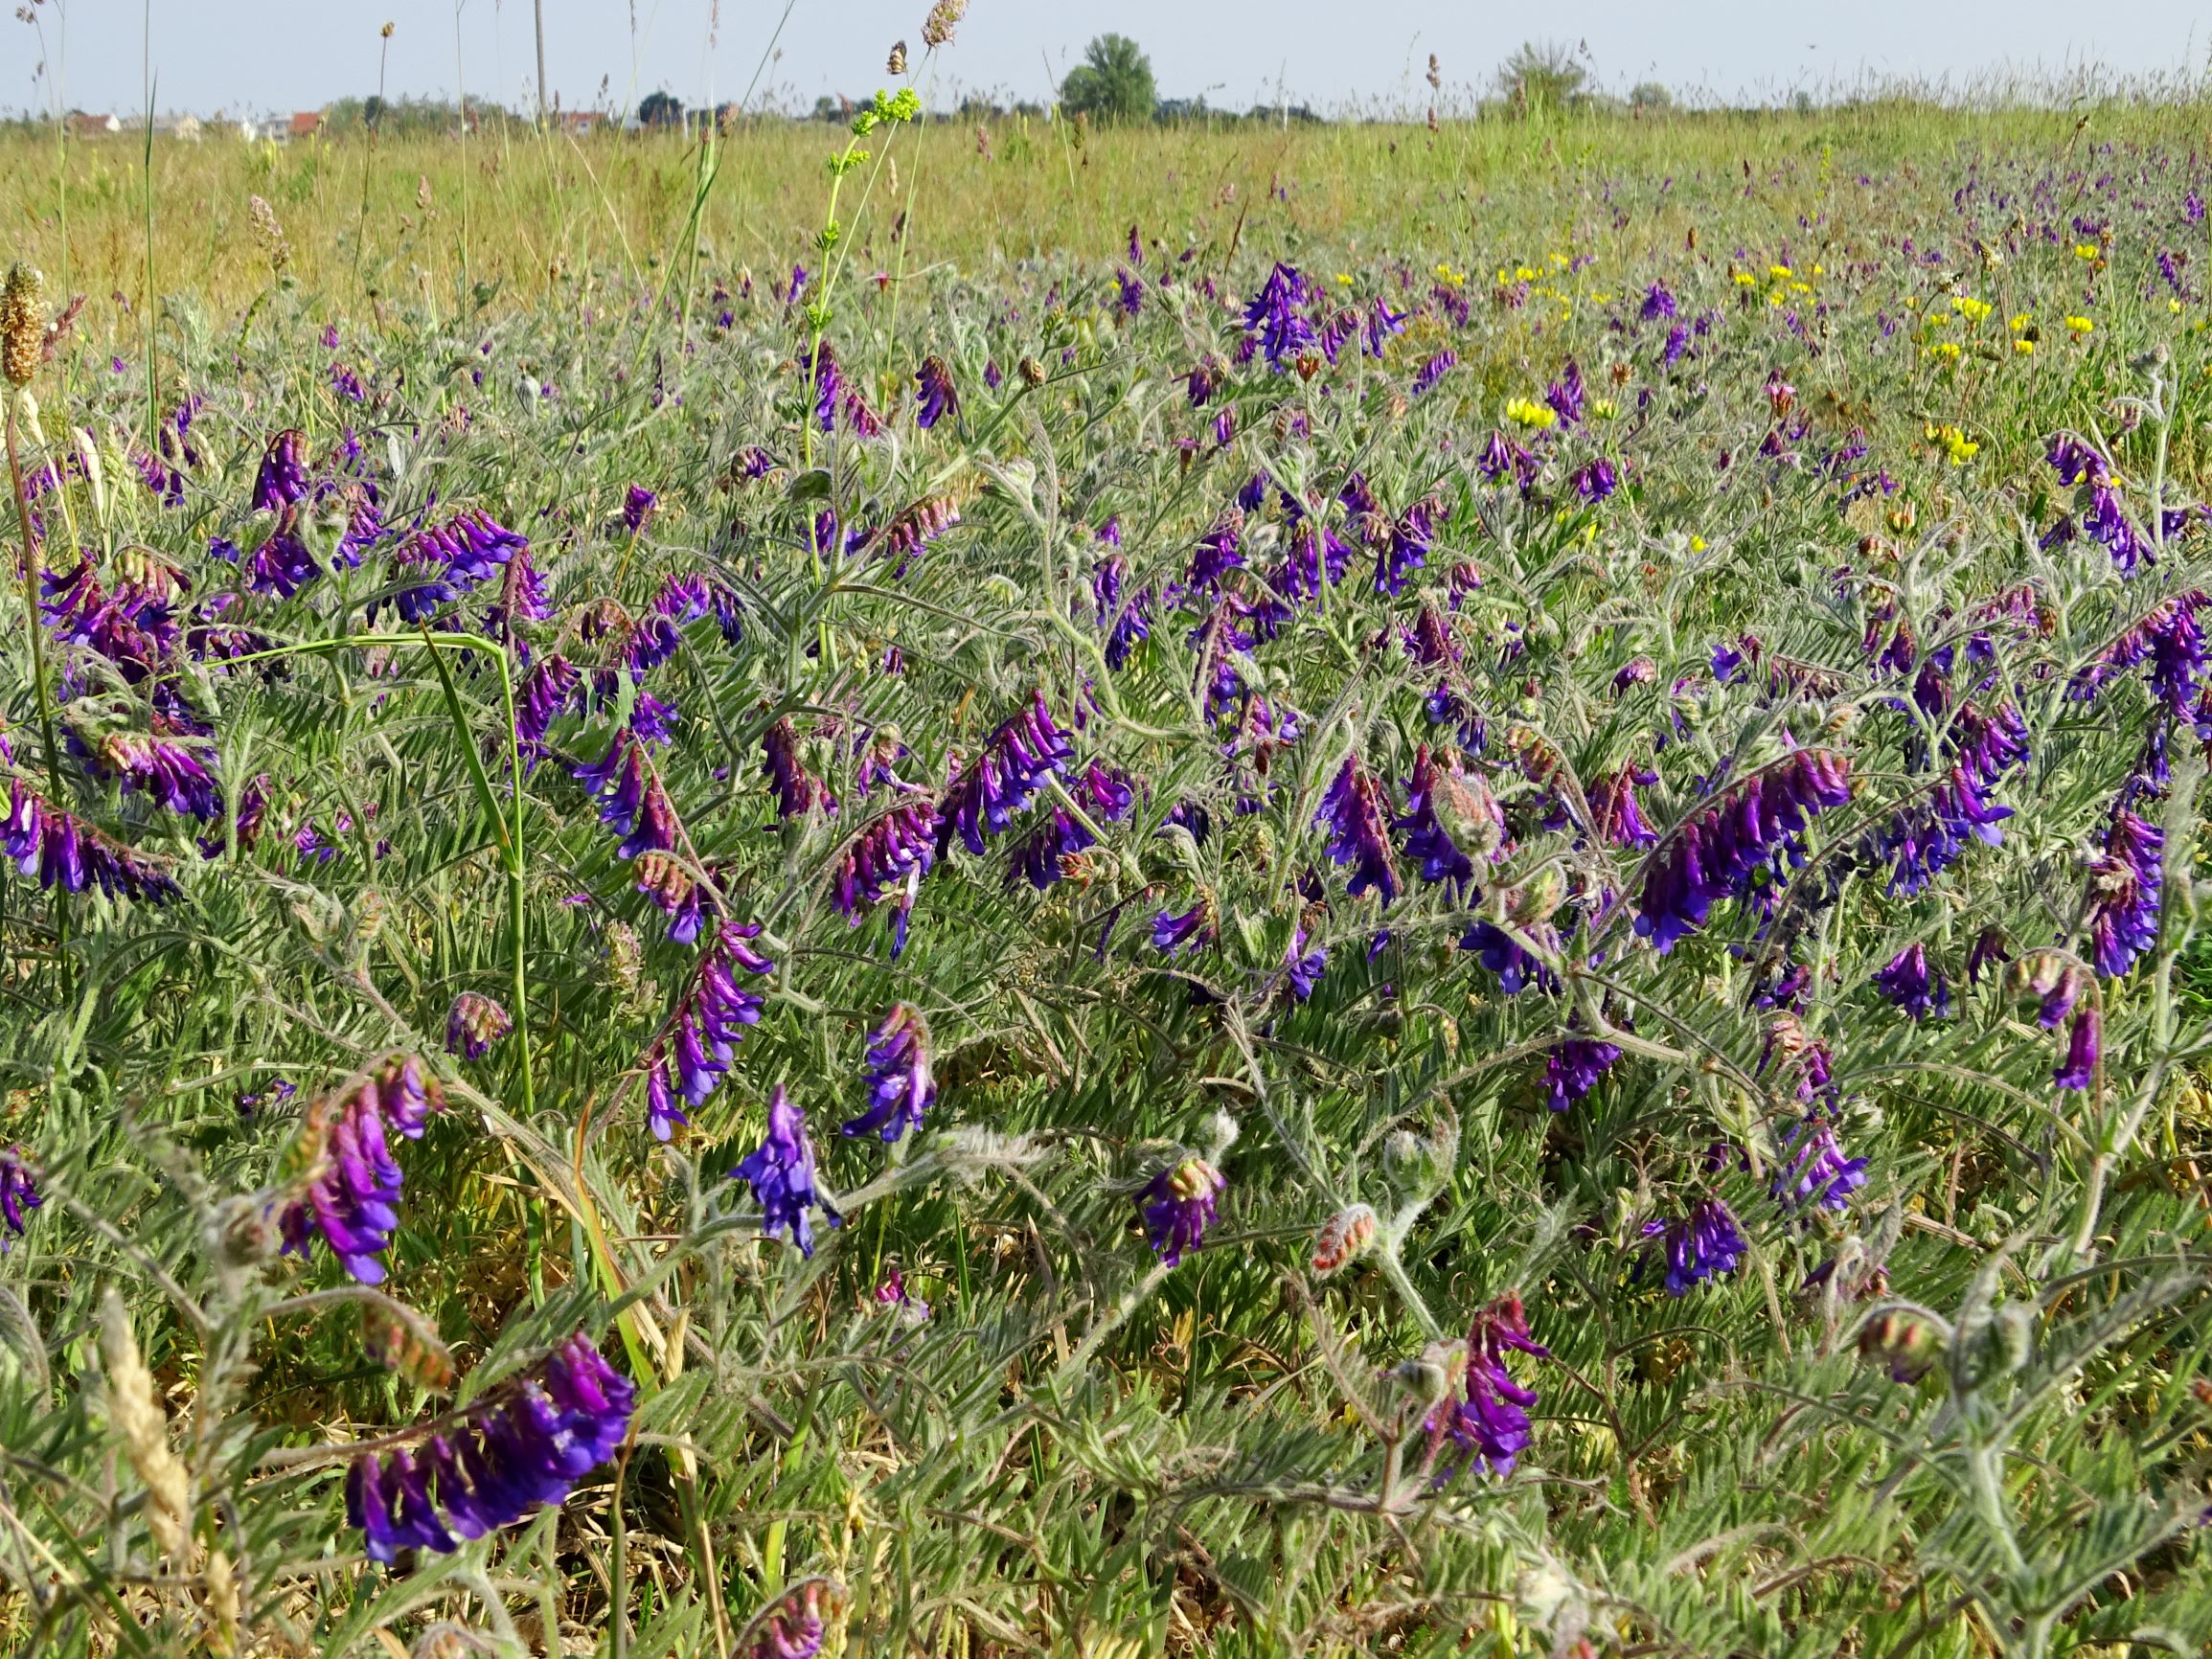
x,y
1523,274
1955,443
2025,348
1526,412
1818,272
2080,326
1344,278
1562,261
2018,324
1946,349
1912,301
1938,320
1696,544
1745,278
1973,310
1446,274
1780,273
2086,250
1604,408
1801,288
2173,305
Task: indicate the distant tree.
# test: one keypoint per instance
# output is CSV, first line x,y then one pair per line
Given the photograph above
x,y
1650,95
1112,84
660,109
1540,77
373,111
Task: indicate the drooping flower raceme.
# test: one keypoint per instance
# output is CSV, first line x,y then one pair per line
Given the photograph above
x,y
2123,892
1013,764
18,1191
1357,817
1490,1421
524,1443
780,1173
1741,840
900,1085
1706,1242
700,1044
347,1190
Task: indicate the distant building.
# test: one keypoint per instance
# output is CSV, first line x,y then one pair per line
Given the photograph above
x,y
186,129
305,123
83,125
583,123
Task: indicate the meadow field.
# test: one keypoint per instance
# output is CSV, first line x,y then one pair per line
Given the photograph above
x,y
1017,890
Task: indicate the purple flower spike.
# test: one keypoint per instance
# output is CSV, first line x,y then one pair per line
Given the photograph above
x,y
1274,321
699,1045
794,1630
2084,1047
548,693
1814,1170
935,397
474,1024
797,791
1442,806
1409,545
2124,891
1001,780
1566,395
1355,815
1434,370
524,1443
1218,549
1739,843
1492,1421
351,1194
1705,1243
18,1191
1572,1070
1194,929
1614,810
637,507
165,768
1913,986
899,1084
892,852
1177,1206
57,849
780,1173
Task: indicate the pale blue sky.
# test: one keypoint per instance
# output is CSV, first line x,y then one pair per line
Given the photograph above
x,y
268,55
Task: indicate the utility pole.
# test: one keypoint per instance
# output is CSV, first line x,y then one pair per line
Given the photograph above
x,y
539,7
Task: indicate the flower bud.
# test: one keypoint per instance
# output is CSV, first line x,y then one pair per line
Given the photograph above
x,y
1343,1238
1909,1346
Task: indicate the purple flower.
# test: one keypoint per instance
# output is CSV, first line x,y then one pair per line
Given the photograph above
x,y
1302,969
1203,381
1133,293
2073,461
1177,1206
2124,893
1503,954
442,562
474,1024
164,768
2105,522
631,800
2169,637
1218,550
350,1189
1274,319
1492,1421
1379,323
1408,546
798,791
1597,481
894,850
1913,986
1739,844
1424,379
1442,806
900,1085
935,397
19,1190
827,381
794,1630
1814,1170
1704,1244
1193,928
524,1443
2085,1046
1658,302
1572,1069
1355,815
59,850
1565,394
548,691
1502,455
637,507
1614,811
700,1044
1015,761
282,478
781,1172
